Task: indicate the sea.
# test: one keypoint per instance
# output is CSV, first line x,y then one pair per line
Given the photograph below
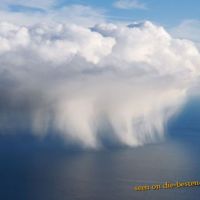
x,y
33,168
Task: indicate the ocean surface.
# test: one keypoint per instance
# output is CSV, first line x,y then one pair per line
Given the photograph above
x,y
44,169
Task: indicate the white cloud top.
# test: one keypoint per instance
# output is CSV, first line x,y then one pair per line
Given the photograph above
x,y
110,82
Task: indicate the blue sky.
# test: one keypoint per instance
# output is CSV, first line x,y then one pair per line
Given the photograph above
x,y
168,12
165,12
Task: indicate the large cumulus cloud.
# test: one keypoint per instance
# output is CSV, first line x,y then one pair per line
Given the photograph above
x,y
108,82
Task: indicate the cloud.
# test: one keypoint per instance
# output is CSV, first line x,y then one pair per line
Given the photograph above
x,y
31,12
110,82
129,4
46,4
188,29
78,14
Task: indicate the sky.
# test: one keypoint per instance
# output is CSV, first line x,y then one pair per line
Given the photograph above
x,y
181,17
167,13
90,71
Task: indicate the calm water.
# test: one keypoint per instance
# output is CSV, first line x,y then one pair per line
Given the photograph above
x,y
44,170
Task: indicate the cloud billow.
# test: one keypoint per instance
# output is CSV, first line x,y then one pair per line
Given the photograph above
x,y
115,82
